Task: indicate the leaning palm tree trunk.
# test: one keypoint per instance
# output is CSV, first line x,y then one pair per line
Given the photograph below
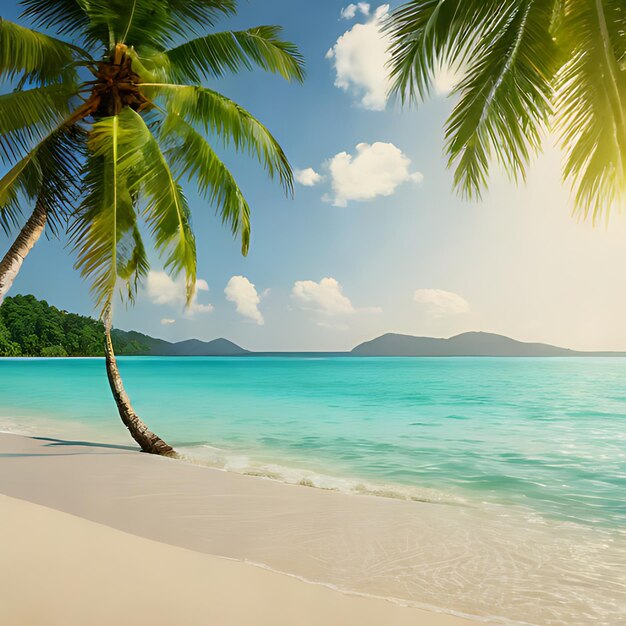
x,y
148,441
23,244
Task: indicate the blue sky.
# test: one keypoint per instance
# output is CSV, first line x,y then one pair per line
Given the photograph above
x,y
381,243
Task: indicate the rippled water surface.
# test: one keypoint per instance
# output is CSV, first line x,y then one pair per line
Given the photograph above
x,y
524,441
546,433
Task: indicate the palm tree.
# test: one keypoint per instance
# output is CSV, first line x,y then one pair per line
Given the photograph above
x,y
527,68
109,119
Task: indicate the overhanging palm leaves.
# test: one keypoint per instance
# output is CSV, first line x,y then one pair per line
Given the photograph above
x,y
591,102
528,67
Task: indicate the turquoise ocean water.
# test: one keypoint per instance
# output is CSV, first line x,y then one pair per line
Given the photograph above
x,y
549,434
527,455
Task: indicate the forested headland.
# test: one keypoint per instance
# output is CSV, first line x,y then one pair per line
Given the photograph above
x,y
32,327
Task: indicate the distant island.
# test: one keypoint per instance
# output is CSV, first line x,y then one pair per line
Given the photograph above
x,y
465,344
33,328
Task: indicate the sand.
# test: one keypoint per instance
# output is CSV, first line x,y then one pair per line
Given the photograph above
x,y
100,534
61,570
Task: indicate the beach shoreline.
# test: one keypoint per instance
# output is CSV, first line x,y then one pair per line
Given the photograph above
x,y
50,548
425,557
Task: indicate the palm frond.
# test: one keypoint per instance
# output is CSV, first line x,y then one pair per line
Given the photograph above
x,y
61,161
215,54
93,23
427,33
152,64
145,22
521,59
228,121
505,98
193,157
191,14
66,17
134,264
16,182
138,21
33,56
26,117
591,104
85,21
167,211
49,174
103,231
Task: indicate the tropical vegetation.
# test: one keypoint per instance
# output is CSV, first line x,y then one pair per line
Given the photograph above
x,y
32,327
527,69
108,119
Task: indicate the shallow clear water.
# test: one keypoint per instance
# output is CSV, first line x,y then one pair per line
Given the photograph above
x,y
549,434
531,452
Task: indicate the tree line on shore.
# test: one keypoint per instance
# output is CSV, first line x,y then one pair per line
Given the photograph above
x,y
32,327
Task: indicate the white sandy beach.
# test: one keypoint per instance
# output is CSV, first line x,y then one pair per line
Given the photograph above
x,y
95,533
61,569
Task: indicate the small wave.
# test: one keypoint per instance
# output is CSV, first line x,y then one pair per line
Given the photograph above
x,y
216,458
11,426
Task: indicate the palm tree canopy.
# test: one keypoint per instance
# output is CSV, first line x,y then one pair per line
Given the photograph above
x,y
527,67
108,120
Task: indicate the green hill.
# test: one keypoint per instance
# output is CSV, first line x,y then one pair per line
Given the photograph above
x,y
31,327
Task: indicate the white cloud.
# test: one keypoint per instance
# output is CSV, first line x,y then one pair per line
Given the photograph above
x,y
376,170
328,301
361,60
243,293
167,321
307,177
360,57
324,297
441,303
164,290
350,11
